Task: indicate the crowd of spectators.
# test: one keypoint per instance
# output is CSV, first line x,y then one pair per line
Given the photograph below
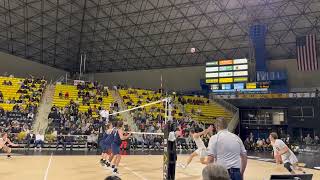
x,y
21,116
309,140
70,120
193,101
263,144
88,92
18,121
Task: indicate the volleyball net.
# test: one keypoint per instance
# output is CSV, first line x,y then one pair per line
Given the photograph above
x,y
167,114
165,138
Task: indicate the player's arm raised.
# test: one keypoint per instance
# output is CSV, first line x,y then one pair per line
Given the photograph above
x,y
204,132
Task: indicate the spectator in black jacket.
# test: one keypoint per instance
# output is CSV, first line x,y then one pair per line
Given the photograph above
x,y
60,141
30,139
68,141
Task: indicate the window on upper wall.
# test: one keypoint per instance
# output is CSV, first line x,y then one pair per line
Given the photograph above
x,y
302,111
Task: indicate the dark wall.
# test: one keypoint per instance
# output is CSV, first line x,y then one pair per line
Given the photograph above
x,y
173,79
290,105
20,67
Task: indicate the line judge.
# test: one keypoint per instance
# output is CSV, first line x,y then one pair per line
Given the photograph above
x,y
227,149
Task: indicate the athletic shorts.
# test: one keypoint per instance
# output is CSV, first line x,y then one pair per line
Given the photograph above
x,y
5,149
115,148
202,153
107,148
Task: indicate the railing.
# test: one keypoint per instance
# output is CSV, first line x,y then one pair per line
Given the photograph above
x,y
127,115
267,95
232,109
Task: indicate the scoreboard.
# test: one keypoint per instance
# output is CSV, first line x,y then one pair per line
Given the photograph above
x,y
227,74
231,75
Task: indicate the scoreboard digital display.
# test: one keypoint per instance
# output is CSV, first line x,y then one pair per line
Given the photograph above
x,y
227,74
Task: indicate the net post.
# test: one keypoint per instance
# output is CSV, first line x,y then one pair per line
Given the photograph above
x,y
169,150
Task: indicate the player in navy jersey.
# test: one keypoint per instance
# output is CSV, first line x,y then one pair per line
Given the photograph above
x,y
103,145
119,136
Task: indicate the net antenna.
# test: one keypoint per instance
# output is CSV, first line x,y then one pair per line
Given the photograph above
x,y
168,110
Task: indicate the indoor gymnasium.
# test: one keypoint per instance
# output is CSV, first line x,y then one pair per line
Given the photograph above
x,y
159,89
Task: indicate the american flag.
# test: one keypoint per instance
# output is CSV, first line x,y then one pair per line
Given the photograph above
x,y
307,53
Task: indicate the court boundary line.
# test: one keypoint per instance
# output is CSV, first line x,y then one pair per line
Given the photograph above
x,y
135,173
48,167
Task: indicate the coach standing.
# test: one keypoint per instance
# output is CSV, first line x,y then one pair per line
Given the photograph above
x,y
227,149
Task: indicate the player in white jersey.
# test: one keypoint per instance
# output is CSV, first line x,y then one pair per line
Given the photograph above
x,y
284,154
201,148
4,142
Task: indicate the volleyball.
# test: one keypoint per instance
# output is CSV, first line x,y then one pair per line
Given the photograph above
x,y
193,50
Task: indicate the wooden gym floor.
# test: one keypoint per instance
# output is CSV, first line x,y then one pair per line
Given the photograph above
x,y
133,167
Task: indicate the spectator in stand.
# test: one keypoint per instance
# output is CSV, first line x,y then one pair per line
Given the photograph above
x,y
247,143
30,139
69,141
30,115
92,141
288,139
60,95
308,139
251,138
157,142
66,95
316,139
60,141
39,141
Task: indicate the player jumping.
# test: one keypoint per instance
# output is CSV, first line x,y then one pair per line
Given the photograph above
x,y
105,145
201,148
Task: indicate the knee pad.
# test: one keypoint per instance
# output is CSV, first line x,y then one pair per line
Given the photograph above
x,y
288,166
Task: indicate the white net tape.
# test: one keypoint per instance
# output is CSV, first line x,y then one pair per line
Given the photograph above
x,y
168,108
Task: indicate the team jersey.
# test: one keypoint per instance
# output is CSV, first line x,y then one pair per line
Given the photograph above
x,y
286,157
199,143
109,140
117,140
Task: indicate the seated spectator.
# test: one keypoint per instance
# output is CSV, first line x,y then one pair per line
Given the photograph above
x,y
30,115
60,141
1,99
69,141
66,95
316,140
308,139
13,100
92,141
16,108
215,172
39,141
60,95
30,139
90,111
